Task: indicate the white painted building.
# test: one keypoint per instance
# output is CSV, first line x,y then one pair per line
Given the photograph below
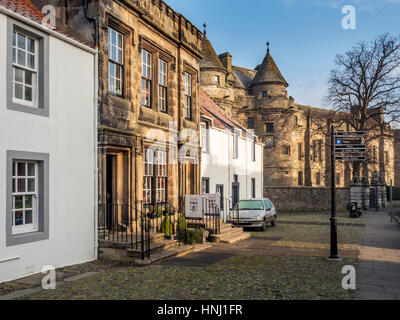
x,y
232,159
48,103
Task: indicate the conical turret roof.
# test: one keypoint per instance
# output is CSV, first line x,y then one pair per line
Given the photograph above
x,y
268,72
210,59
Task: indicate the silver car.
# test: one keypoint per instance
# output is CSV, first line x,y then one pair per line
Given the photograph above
x,y
255,213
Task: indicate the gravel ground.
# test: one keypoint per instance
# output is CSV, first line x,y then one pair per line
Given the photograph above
x,y
251,269
255,277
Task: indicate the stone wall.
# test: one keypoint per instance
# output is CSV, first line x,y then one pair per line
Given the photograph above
x,y
306,198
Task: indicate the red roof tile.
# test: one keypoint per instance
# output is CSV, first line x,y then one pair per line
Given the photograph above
x,y
220,118
24,8
28,10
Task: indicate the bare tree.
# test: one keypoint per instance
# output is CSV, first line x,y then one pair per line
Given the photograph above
x,y
366,84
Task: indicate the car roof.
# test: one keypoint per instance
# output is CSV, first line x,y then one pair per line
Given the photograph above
x,y
255,199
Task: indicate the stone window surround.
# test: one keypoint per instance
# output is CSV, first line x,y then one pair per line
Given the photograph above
x,y
193,72
43,184
42,109
127,34
158,53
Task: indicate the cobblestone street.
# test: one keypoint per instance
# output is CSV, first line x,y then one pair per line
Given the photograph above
x,y
288,261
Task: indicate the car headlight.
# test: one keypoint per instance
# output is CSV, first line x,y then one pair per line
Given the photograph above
x,y
259,217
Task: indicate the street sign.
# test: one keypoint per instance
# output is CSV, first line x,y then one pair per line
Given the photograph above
x,y
351,158
351,150
350,133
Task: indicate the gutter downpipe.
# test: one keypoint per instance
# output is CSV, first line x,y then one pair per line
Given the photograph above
x,y
95,127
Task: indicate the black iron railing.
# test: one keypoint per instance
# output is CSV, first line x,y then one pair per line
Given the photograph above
x,y
134,225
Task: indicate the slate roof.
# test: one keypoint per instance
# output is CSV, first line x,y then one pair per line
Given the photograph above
x,y
210,58
268,72
243,76
220,118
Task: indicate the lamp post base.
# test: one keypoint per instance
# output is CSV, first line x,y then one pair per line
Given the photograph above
x,y
335,258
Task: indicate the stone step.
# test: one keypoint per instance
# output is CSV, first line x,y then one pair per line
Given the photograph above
x,y
226,234
236,238
154,247
154,237
176,252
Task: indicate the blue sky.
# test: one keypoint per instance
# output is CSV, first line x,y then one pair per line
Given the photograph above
x,y
305,35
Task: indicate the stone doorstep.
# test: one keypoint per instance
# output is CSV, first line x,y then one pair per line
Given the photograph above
x,y
165,254
154,247
236,238
226,234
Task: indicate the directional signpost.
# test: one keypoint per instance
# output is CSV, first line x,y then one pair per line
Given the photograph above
x,y
346,146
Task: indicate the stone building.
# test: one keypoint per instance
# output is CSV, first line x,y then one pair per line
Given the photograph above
x,y
149,114
296,137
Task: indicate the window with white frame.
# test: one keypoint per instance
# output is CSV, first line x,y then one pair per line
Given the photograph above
x,y
188,95
115,61
148,161
24,196
161,176
163,86
155,169
236,145
204,136
25,69
147,67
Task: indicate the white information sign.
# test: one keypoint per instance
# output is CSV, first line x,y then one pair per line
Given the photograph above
x,y
194,206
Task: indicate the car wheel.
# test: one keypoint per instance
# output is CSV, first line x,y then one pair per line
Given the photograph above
x,y
273,222
264,226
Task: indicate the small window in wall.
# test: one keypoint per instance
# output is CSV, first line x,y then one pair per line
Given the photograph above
x,y
253,149
236,145
205,185
204,136
265,94
147,70
300,151
253,188
250,123
27,197
220,189
188,96
269,141
300,178
269,127
217,79
25,69
115,61
286,150
163,86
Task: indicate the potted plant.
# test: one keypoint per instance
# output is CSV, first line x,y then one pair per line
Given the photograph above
x,y
166,227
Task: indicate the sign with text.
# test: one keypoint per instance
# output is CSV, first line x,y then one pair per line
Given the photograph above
x,y
212,199
194,206
351,145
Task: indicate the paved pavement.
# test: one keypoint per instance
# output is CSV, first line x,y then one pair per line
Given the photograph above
x,y
378,276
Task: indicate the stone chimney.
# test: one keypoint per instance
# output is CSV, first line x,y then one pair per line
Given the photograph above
x,y
226,59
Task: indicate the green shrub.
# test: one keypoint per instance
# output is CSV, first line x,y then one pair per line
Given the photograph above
x,y
166,226
192,235
182,223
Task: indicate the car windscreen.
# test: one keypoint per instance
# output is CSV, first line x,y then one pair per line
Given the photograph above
x,y
251,205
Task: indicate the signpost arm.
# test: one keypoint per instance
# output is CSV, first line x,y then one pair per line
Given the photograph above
x,y
334,249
